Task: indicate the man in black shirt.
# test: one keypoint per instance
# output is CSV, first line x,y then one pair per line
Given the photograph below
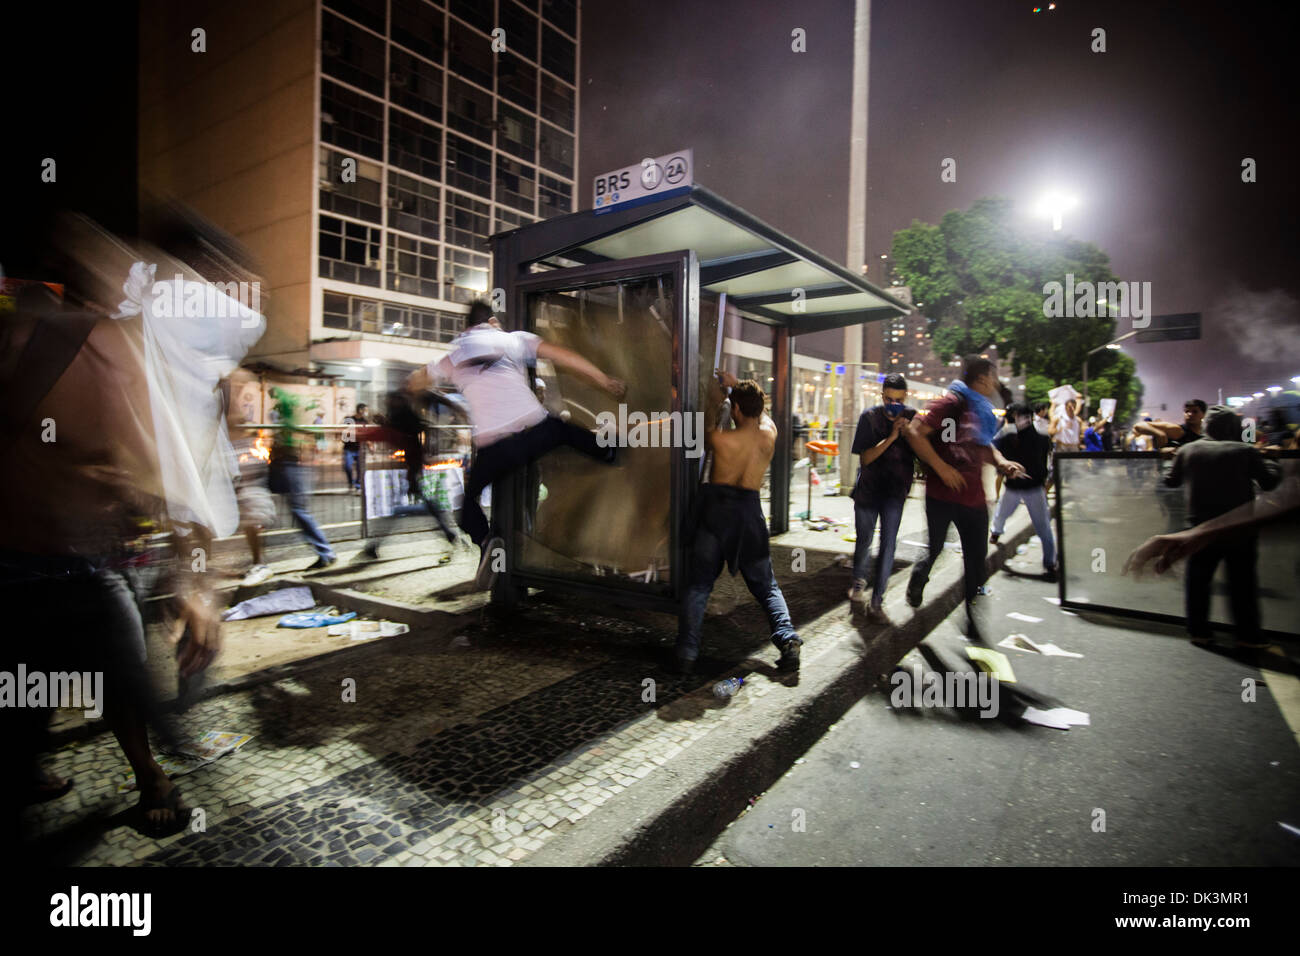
x,y
352,448
883,482
1171,436
1219,472
1030,447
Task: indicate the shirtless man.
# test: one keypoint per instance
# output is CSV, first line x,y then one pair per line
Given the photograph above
x,y
730,526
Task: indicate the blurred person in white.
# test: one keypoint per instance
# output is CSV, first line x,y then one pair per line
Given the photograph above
x,y
114,428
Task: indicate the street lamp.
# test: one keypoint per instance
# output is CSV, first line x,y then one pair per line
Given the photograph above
x,y
1054,205
1109,345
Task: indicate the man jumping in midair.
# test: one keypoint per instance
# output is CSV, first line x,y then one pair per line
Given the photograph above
x,y
489,367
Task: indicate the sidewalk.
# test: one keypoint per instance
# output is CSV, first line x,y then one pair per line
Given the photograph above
x,y
549,737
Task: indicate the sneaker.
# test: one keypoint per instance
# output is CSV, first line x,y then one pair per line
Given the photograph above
x,y
685,666
370,552
323,562
486,577
256,575
876,615
993,538
1049,575
858,592
914,595
789,659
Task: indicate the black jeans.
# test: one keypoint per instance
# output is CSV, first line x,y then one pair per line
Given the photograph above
x,y
514,451
1243,593
972,529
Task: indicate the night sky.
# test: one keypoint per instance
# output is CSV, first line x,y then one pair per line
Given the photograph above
x,y
1150,135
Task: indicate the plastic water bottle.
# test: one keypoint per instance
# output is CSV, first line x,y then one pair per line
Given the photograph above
x,y
727,688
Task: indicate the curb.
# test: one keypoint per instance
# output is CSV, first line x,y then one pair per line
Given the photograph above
x,y
670,819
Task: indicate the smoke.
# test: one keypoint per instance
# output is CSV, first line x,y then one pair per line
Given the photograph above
x,y
1264,326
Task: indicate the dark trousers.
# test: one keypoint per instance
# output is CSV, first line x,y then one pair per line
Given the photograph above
x,y
707,561
505,455
1243,592
972,529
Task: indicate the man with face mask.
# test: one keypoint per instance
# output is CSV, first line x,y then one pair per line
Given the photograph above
x,y
884,481
1029,448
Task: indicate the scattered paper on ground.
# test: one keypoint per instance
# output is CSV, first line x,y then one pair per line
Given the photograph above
x,y
366,630
1059,718
1021,642
1017,616
191,756
992,662
1053,600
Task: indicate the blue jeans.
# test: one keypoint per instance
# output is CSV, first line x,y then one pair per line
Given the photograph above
x,y
707,561
350,456
299,481
1035,500
890,513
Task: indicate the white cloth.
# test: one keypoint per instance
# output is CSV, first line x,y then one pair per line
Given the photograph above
x,y
1062,394
489,367
1067,431
186,356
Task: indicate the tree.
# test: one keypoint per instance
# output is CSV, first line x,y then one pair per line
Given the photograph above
x,y
980,280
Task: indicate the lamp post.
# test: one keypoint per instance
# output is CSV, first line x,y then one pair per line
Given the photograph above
x,y
1114,344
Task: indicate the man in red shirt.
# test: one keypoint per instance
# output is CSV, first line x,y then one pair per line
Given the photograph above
x,y
954,438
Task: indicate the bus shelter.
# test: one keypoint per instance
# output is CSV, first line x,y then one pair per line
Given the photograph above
x,y
640,290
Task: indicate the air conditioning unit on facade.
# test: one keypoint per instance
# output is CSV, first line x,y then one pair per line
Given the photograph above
x,y
376,263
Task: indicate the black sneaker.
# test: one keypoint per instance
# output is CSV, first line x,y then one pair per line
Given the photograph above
x,y
486,577
370,552
993,538
322,563
914,595
1050,575
683,666
789,660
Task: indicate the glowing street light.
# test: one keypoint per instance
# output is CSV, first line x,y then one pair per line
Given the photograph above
x,y
1054,205
1273,388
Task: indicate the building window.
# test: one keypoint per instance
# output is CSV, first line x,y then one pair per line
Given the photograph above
x,y
557,102
518,132
557,151
351,54
413,205
516,184
521,29
468,221
558,53
415,85
418,27
517,81
335,311
469,54
349,251
466,274
369,13
555,197
414,145
469,110
350,121
359,199
509,219
413,266
432,325
469,166
474,12
562,13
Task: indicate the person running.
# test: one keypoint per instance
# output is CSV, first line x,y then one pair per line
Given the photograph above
x,y
954,438
405,431
289,476
729,527
489,367
1219,473
884,480
1029,448
256,506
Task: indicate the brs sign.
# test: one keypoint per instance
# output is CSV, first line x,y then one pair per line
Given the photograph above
x,y
612,183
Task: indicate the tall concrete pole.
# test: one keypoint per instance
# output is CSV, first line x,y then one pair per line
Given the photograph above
x,y
857,233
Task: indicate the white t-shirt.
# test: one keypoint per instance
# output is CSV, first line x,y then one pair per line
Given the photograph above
x,y
490,368
1067,431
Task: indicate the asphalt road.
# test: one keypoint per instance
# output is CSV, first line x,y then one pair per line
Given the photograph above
x,y
1186,772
